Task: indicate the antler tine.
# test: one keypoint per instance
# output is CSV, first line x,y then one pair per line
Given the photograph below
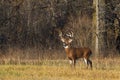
x,y
70,34
60,33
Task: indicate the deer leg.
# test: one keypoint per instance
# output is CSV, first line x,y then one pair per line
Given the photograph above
x,y
86,62
71,62
90,63
74,62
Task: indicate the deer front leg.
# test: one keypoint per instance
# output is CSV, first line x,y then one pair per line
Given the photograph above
x,y
72,63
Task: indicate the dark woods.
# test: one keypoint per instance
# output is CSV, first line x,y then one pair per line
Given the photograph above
x,y
28,24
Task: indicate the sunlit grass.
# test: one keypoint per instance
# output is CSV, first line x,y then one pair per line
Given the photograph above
x,y
103,69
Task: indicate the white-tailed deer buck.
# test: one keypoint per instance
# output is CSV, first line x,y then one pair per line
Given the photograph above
x,y
75,53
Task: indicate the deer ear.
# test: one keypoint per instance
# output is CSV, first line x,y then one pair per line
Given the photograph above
x,y
70,40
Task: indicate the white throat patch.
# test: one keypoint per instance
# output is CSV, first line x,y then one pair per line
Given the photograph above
x,y
66,46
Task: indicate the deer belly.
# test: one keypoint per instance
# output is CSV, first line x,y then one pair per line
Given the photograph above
x,y
79,55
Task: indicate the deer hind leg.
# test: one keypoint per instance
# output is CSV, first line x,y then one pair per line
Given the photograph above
x,y
86,62
71,62
90,63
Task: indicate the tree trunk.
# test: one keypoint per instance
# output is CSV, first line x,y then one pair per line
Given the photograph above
x,y
29,13
100,40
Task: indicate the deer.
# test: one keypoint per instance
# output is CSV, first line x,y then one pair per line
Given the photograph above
x,y
74,53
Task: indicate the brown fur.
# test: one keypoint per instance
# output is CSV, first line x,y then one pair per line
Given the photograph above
x,y
76,53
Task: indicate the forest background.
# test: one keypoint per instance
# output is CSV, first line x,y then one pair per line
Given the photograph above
x,y
28,27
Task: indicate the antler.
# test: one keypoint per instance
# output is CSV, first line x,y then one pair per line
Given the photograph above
x,y
61,36
68,38
60,33
70,34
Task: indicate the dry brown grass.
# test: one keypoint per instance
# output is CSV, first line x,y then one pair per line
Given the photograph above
x,y
51,66
103,69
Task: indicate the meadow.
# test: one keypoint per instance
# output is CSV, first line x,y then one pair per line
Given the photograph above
x,y
103,69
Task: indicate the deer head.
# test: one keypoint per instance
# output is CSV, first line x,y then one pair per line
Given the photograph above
x,y
67,39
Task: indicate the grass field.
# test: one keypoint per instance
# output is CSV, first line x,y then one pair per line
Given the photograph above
x,y
103,69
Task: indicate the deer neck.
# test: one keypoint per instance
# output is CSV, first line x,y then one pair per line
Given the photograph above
x,y
67,48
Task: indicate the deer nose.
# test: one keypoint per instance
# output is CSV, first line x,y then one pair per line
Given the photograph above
x,y
64,44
